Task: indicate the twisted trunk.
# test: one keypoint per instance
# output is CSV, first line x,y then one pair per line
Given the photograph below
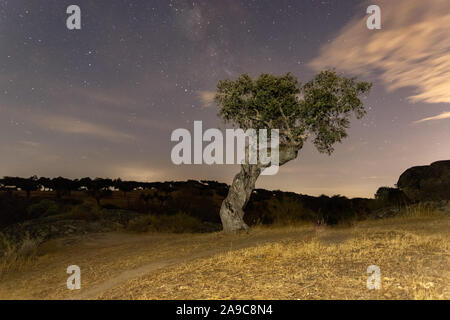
x,y
232,209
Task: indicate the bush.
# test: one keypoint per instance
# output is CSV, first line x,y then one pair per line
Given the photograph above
x,y
391,197
86,211
43,208
178,223
284,211
14,256
13,209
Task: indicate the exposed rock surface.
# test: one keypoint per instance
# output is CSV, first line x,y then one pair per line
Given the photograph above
x,y
442,206
427,183
51,227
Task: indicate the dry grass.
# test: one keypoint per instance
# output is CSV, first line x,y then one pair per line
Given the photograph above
x,y
178,223
104,256
16,257
293,262
414,257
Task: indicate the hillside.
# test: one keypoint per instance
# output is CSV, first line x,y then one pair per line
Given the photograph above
x,y
297,262
163,241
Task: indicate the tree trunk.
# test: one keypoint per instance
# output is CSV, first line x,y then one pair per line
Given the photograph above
x,y
232,210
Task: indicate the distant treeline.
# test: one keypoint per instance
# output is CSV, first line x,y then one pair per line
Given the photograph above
x,y
63,186
200,199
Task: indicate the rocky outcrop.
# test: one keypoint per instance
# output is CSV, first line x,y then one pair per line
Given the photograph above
x,y
427,183
442,206
52,227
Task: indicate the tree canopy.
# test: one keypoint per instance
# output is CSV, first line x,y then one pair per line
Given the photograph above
x,y
320,109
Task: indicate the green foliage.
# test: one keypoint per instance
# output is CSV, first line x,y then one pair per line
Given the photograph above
x,y
43,208
26,184
287,210
86,211
178,223
258,103
391,196
15,255
13,209
154,199
277,207
321,108
329,101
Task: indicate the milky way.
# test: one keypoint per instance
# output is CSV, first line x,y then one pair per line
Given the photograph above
x,y
103,101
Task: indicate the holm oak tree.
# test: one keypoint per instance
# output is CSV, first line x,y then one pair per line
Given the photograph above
x,y
320,110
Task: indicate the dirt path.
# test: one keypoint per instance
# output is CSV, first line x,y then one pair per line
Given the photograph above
x,y
156,261
126,275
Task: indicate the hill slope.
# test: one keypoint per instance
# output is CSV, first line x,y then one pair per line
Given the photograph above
x,y
303,262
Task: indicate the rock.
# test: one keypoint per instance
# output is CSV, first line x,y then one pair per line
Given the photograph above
x,y
53,227
386,212
442,206
427,183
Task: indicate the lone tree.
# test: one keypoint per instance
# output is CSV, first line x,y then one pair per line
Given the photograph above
x,y
320,109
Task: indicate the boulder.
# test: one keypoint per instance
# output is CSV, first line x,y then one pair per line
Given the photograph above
x,y
427,183
59,226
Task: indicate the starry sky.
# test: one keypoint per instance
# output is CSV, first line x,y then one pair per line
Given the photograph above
x,y
103,101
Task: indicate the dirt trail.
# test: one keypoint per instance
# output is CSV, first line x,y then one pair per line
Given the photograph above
x,y
113,264
126,275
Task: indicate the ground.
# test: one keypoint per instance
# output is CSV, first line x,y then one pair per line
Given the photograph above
x,y
296,262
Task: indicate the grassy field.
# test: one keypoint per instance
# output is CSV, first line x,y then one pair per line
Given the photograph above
x,y
297,262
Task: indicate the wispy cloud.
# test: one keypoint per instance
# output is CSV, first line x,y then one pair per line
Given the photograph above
x,y
444,115
207,98
108,98
31,144
411,50
72,125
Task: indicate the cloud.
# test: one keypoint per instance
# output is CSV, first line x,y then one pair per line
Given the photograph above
x,y
411,50
444,115
30,143
207,98
108,98
76,126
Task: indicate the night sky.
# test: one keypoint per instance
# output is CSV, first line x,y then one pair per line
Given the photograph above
x,y
103,101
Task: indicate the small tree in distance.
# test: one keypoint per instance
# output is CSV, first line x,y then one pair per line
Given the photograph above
x,y
320,109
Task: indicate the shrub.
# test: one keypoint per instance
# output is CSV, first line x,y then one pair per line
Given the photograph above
x,y
287,210
178,223
43,208
13,209
86,211
391,197
15,256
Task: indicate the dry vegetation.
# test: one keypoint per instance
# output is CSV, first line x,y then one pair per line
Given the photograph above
x,y
297,262
17,257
